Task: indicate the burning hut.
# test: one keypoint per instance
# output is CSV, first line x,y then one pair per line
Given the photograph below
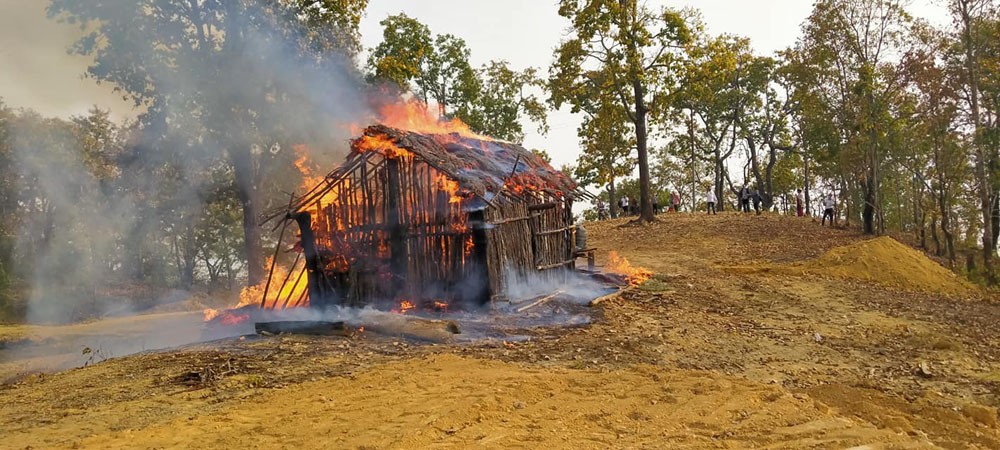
x,y
428,220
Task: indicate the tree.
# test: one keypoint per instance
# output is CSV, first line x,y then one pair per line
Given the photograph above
x,y
969,17
607,144
493,100
404,54
713,93
847,82
637,52
230,71
506,100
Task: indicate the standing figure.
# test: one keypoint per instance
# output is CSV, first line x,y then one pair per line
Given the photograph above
x,y
745,198
828,205
675,201
755,196
710,200
798,203
602,210
634,205
623,205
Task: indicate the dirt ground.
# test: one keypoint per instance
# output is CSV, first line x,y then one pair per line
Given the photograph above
x,y
707,354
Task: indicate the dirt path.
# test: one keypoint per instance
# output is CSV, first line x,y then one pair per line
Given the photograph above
x,y
700,357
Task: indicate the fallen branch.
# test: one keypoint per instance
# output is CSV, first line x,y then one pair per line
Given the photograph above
x,y
611,296
538,302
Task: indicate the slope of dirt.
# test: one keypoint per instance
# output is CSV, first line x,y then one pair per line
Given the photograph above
x,y
886,261
701,356
454,402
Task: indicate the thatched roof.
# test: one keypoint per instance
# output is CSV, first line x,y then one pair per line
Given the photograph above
x,y
483,167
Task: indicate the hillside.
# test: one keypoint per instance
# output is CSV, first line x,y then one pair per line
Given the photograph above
x,y
754,331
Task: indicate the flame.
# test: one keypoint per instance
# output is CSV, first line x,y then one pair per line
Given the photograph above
x,y
404,307
382,144
225,317
416,116
449,186
279,296
229,318
441,306
634,275
469,245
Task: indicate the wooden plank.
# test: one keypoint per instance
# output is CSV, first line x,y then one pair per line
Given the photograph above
x,y
540,301
553,266
561,230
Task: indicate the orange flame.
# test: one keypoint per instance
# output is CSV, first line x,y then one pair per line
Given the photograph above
x,y
279,296
382,144
404,307
469,245
416,116
634,275
450,186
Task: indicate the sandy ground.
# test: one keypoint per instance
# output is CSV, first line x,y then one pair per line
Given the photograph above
x,y
702,356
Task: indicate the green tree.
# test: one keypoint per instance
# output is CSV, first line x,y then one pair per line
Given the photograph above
x,y
607,147
638,52
713,93
230,71
847,82
404,53
507,98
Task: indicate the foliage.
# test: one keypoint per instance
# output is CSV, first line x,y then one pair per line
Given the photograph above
x,y
224,75
622,55
493,100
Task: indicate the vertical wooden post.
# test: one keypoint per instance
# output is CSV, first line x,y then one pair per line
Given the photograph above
x,y
480,267
317,298
397,235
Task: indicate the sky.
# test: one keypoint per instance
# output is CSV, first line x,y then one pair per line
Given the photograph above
x,y
36,71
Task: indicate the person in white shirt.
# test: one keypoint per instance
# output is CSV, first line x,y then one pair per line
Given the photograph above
x,y
710,199
798,203
828,205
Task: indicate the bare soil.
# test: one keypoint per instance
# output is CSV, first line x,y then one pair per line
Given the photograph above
x,y
706,354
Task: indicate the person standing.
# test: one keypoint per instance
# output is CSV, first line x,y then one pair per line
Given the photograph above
x,y
755,197
745,198
798,203
623,205
710,200
675,201
828,205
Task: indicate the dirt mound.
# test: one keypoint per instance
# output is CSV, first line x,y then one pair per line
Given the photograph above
x,y
886,261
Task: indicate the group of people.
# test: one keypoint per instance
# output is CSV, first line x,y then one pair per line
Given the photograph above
x,y
630,207
747,196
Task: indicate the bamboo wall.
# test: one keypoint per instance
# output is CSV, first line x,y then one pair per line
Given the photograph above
x,y
530,240
387,232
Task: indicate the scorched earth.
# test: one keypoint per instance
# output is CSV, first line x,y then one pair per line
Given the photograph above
x,y
770,342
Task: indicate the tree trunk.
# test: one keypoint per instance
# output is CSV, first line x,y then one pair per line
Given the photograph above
x,y
934,236
982,178
613,196
694,192
868,212
645,201
246,190
807,200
